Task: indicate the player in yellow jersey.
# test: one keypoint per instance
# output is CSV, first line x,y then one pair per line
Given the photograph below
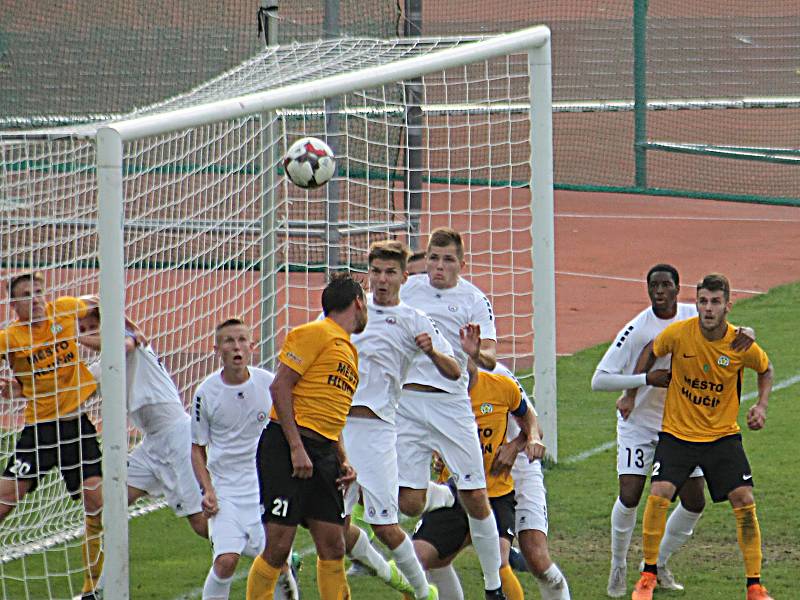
x,y
699,426
443,533
41,349
303,467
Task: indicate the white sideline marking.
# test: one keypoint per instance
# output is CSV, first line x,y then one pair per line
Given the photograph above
x,y
581,456
637,280
673,218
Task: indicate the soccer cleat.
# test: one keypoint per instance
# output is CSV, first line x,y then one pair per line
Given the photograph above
x,y
433,594
495,594
665,578
644,587
617,581
398,581
357,569
757,592
517,561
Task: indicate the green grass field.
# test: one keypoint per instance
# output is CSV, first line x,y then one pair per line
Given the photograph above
x,y
169,562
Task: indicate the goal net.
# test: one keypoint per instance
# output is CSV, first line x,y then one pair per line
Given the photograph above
x,y
427,133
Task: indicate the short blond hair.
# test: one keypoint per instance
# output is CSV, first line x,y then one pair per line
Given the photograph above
x,y
389,250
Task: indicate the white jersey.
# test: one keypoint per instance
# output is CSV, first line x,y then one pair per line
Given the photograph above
x,y
450,309
147,383
622,354
385,351
228,419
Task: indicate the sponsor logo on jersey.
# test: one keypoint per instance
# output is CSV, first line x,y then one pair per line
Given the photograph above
x,y
240,395
486,408
294,357
723,361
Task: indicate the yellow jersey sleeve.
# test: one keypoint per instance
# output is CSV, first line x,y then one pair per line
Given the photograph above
x,y
327,362
665,341
755,358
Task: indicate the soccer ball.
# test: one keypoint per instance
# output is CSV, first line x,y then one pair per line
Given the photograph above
x,y
309,163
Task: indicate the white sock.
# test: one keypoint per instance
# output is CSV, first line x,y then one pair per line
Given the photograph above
x,y
365,553
438,496
553,584
216,588
286,588
487,545
680,526
446,579
623,522
408,563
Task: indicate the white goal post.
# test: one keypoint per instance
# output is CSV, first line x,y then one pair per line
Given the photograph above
x,y
110,139
180,213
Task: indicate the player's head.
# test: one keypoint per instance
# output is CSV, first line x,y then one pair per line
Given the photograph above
x,y
387,271
343,294
713,300
444,258
26,292
663,286
233,343
90,322
416,263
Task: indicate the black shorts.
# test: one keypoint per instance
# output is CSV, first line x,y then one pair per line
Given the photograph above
x,y
291,501
723,461
447,529
69,444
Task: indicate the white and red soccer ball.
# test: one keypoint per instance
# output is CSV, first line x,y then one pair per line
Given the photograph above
x,y
309,163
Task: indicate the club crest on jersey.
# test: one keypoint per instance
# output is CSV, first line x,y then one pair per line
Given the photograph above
x,y
57,328
723,361
486,408
261,417
391,320
371,511
452,308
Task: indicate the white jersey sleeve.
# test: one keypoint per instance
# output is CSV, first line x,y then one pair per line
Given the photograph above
x,y
621,357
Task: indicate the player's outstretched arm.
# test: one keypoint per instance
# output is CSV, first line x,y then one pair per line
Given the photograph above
x,y
482,352
281,391
446,365
745,337
757,415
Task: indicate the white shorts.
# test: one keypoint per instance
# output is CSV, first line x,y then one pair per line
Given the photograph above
x,y
442,422
636,447
236,529
371,446
530,495
161,465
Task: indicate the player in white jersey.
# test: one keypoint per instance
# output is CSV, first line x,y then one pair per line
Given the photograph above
x,y
395,334
160,465
531,509
639,416
434,413
229,412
